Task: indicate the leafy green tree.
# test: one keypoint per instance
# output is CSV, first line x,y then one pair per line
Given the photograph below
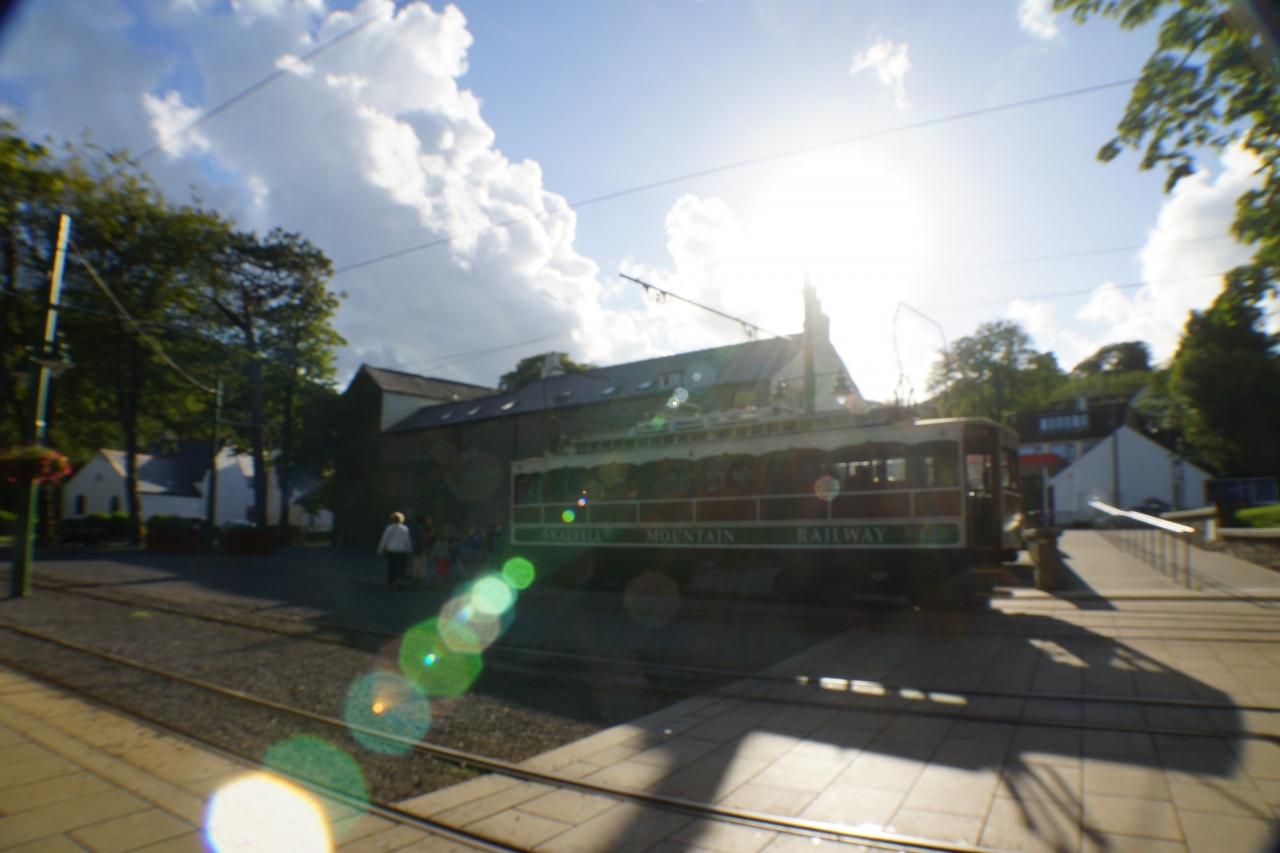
x,y
1213,81
300,372
29,186
530,369
1116,358
257,289
993,373
152,257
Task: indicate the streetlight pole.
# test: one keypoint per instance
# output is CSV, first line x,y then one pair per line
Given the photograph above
x,y
24,547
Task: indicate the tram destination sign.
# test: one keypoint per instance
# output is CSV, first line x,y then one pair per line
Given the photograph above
x,y
710,536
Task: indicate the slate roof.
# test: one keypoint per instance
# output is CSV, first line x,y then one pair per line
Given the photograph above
x,y
158,475
399,382
752,361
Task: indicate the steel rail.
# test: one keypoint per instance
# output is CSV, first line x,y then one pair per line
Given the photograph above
x,y
377,807
830,683
745,817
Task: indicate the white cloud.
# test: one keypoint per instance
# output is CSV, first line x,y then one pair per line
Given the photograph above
x,y
890,63
376,150
1181,265
1038,18
168,116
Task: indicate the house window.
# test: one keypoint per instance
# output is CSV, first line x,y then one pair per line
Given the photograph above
x,y
1063,423
79,510
669,380
113,505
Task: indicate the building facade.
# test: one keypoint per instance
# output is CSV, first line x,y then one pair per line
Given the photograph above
x,y
451,460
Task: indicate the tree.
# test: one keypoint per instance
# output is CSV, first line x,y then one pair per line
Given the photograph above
x,y
152,256
1214,81
1116,358
301,343
993,373
530,369
259,288
29,186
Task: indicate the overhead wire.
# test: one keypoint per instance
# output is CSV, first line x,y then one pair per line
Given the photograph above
x,y
740,164
747,326
137,327
258,86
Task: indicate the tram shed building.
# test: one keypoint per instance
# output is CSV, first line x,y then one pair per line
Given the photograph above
x,y
450,459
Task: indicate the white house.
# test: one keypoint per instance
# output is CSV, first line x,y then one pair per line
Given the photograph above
x,y
177,485
1125,469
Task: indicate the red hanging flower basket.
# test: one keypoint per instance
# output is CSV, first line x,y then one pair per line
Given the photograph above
x,y
30,461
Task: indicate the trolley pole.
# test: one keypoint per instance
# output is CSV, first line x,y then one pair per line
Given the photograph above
x,y
810,319
24,547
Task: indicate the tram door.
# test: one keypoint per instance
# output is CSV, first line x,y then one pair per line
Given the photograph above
x,y
982,502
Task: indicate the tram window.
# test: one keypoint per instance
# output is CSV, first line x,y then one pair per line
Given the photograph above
x,y
714,481
528,488
977,472
562,484
779,473
1009,468
675,477
617,479
651,480
742,475
811,466
853,476
893,470
932,465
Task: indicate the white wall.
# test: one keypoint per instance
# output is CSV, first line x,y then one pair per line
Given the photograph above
x,y
100,480
1146,469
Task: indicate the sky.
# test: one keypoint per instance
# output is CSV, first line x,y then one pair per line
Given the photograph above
x,y
484,121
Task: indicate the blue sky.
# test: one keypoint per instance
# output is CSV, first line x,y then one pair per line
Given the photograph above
x,y
443,121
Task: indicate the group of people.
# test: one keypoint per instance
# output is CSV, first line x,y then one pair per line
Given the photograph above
x,y
423,554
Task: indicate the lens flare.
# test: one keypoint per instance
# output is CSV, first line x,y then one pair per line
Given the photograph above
x,y
264,814
680,395
386,702
568,516
658,422
464,628
315,760
699,377
827,487
433,667
651,599
582,501
491,595
518,572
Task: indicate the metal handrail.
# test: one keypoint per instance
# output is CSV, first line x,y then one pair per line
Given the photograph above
x,y
1155,543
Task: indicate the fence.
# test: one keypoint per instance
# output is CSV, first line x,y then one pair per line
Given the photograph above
x,y
1155,541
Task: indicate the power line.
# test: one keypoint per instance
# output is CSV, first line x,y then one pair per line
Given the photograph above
x,y
1062,256
1065,293
137,327
257,87
458,358
740,164
749,328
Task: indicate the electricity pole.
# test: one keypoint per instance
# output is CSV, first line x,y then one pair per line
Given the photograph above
x,y
24,547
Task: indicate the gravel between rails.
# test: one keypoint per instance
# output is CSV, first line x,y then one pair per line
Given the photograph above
x,y
506,716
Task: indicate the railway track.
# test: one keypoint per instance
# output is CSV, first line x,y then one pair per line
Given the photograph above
x,y
688,680
818,830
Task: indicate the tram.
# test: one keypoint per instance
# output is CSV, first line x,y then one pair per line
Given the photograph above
x,y
839,503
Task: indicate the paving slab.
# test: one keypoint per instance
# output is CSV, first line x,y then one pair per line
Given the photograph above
x,y
908,751
76,777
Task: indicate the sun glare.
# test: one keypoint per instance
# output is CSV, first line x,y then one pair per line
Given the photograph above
x,y
264,814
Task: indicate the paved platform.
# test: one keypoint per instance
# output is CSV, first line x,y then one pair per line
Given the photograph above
x,y
1096,566
913,747
75,778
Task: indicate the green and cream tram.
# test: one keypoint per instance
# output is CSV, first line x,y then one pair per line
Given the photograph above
x,y
837,502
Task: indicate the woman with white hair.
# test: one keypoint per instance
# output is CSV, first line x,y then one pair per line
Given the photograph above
x,y
397,545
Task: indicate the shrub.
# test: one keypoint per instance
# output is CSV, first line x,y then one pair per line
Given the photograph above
x,y
1260,516
160,521
114,525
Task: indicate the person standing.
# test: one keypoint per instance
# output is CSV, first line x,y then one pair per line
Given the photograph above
x,y
439,555
397,545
